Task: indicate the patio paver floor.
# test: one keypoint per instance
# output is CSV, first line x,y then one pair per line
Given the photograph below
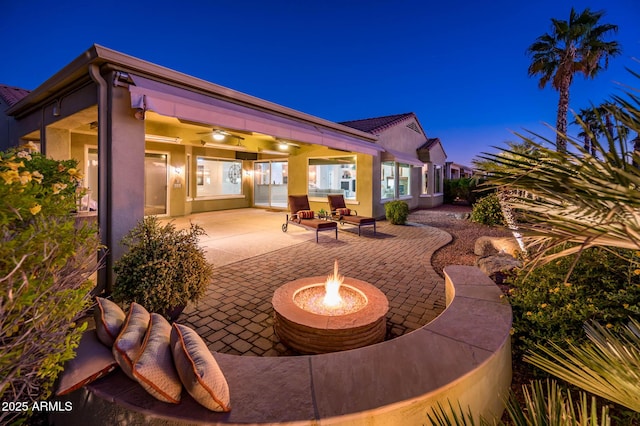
x,y
236,316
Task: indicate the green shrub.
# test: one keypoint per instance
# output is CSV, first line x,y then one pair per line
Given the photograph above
x,y
164,268
45,265
487,211
397,212
604,286
462,189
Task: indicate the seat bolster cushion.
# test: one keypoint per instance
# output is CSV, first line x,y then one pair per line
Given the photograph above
x,y
305,214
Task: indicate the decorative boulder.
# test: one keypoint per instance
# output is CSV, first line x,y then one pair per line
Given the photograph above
x,y
487,246
498,265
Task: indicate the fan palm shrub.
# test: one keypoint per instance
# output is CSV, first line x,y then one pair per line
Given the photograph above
x,y
566,202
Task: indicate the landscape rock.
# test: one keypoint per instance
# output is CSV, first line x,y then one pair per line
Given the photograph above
x,y
487,246
497,266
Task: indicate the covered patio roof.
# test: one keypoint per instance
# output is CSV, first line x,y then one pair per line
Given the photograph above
x,y
179,95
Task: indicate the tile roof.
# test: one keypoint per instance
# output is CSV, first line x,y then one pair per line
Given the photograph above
x,y
370,125
11,95
429,143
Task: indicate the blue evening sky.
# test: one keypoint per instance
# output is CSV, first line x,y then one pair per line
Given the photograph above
x,y
459,65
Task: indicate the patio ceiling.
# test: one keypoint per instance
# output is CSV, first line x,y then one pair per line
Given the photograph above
x,y
195,107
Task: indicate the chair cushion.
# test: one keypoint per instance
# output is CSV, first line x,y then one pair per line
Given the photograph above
x,y
298,202
305,214
198,369
359,220
343,212
336,202
154,367
128,343
92,361
109,318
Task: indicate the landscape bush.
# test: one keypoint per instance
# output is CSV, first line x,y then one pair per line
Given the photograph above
x,y
45,266
552,302
487,211
463,189
163,268
397,212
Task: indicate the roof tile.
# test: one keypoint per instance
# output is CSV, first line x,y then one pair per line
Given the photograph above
x,y
12,95
371,125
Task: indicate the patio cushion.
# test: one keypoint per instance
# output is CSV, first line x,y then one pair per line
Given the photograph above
x,y
343,212
154,367
108,318
92,361
129,341
198,369
305,214
336,201
358,220
298,202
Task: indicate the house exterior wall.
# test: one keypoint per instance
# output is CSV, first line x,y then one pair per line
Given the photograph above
x,y
299,180
434,196
404,139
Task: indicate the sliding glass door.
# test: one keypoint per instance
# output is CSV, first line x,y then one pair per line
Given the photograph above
x,y
270,180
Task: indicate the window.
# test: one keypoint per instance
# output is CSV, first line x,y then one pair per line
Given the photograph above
x,y
388,183
396,180
216,178
425,179
404,180
437,179
431,172
335,175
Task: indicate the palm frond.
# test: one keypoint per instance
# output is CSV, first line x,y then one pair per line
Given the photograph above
x,y
575,197
607,366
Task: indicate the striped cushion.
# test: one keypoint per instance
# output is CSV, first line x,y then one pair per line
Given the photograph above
x,y
128,343
343,212
198,369
305,214
154,367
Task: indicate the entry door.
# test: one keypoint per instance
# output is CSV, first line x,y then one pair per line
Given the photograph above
x,y
270,180
155,184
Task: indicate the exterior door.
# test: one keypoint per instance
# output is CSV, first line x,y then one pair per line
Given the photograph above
x,y
155,184
270,181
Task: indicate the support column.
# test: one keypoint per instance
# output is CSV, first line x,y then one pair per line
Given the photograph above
x,y
124,174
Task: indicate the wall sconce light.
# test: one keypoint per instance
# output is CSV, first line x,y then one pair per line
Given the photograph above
x,y
178,170
140,114
56,108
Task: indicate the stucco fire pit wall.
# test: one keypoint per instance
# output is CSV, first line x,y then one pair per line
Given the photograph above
x,y
311,333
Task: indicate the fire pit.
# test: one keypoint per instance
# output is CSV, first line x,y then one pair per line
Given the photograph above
x,y
319,315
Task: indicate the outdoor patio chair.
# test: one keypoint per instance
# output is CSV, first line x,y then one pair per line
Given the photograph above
x,y
343,214
302,215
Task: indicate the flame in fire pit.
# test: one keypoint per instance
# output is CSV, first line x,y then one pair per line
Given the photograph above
x,y
332,288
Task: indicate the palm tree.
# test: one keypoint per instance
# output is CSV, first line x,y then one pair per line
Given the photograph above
x,y
572,47
586,118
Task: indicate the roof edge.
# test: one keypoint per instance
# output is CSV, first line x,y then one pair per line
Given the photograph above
x,y
104,56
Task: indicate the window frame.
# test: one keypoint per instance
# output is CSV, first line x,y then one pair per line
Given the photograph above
x,y
197,196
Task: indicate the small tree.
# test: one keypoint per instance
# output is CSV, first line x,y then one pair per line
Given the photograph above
x,y
45,265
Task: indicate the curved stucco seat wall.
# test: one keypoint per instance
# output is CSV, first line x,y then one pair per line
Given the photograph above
x,y
463,356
